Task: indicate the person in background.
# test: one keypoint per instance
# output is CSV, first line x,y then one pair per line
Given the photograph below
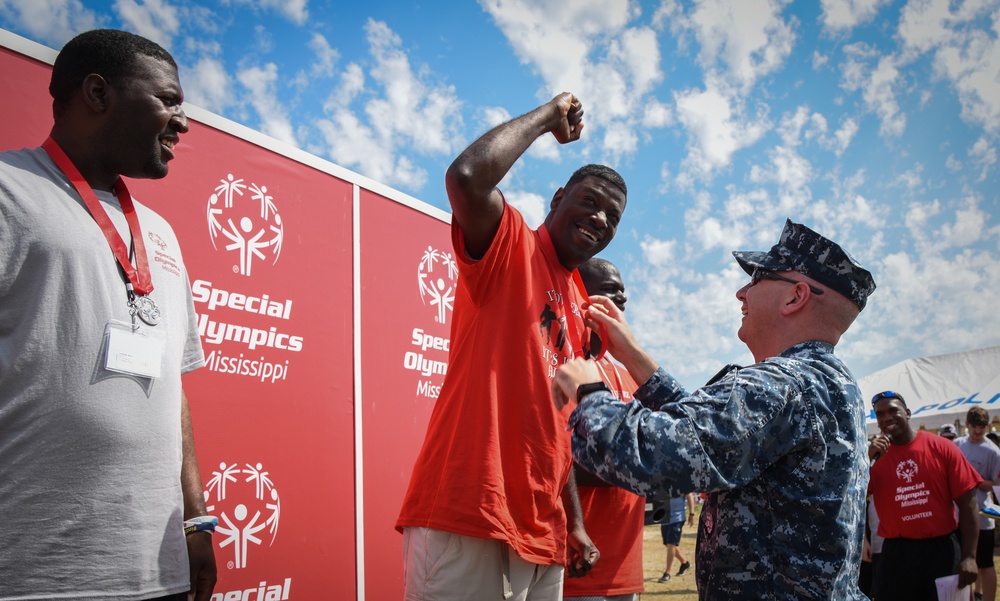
x,y
916,482
614,516
948,431
100,493
779,445
985,459
681,510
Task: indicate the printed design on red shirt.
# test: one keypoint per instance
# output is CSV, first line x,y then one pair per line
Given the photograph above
x,y
907,470
545,321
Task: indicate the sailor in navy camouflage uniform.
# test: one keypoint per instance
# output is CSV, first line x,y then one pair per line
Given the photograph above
x,y
780,445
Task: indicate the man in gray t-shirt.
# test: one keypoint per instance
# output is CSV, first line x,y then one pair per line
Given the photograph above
x,y
985,458
100,493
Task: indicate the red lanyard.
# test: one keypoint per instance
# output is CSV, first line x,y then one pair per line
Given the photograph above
x,y
574,334
617,388
139,275
602,346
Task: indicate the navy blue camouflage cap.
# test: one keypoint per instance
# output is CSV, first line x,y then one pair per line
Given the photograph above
x,y
803,250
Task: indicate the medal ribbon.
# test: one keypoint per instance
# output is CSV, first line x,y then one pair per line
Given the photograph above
x,y
602,335
139,276
617,388
575,335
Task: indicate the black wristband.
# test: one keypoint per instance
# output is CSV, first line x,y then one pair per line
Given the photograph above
x,y
585,389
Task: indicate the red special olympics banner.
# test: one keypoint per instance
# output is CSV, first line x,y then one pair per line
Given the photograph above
x,y
407,297
315,398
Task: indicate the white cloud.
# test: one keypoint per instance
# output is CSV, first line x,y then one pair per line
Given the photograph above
x,y
53,21
877,84
588,48
423,114
352,83
911,179
323,67
659,253
263,39
532,206
803,123
984,154
620,139
351,143
917,216
153,19
404,110
326,57
296,11
716,127
261,95
923,25
687,329
656,114
965,50
208,85
968,227
748,37
840,15
844,135
957,286
493,116
791,172
669,12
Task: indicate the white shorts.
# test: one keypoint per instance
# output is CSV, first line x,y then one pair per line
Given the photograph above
x,y
441,566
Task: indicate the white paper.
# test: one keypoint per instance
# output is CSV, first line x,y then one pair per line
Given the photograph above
x,y
138,353
947,589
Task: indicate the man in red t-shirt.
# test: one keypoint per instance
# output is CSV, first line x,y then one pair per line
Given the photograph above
x,y
916,482
614,516
492,503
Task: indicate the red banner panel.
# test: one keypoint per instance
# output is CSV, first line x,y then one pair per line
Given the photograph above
x,y
408,280
268,246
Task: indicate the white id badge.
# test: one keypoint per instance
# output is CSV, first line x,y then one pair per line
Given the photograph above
x,y
136,351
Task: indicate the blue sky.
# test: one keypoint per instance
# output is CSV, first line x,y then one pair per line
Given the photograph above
x,y
874,122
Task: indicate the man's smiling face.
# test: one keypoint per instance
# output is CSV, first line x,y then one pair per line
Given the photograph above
x,y
584,218
893,418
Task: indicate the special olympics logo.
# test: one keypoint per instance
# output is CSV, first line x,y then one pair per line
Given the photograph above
x,y
251,225
907,470
248,502
438,287
157,240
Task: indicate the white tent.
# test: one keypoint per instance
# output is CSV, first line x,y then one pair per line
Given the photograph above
x,y
940,389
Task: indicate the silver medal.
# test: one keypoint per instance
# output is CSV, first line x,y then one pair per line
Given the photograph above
x,y
147,310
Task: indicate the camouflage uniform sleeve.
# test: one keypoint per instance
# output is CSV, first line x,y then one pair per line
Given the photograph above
x,y
718,438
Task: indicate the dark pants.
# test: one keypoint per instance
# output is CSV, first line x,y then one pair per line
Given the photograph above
x,y
177,597
908,567
865,579
868,576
